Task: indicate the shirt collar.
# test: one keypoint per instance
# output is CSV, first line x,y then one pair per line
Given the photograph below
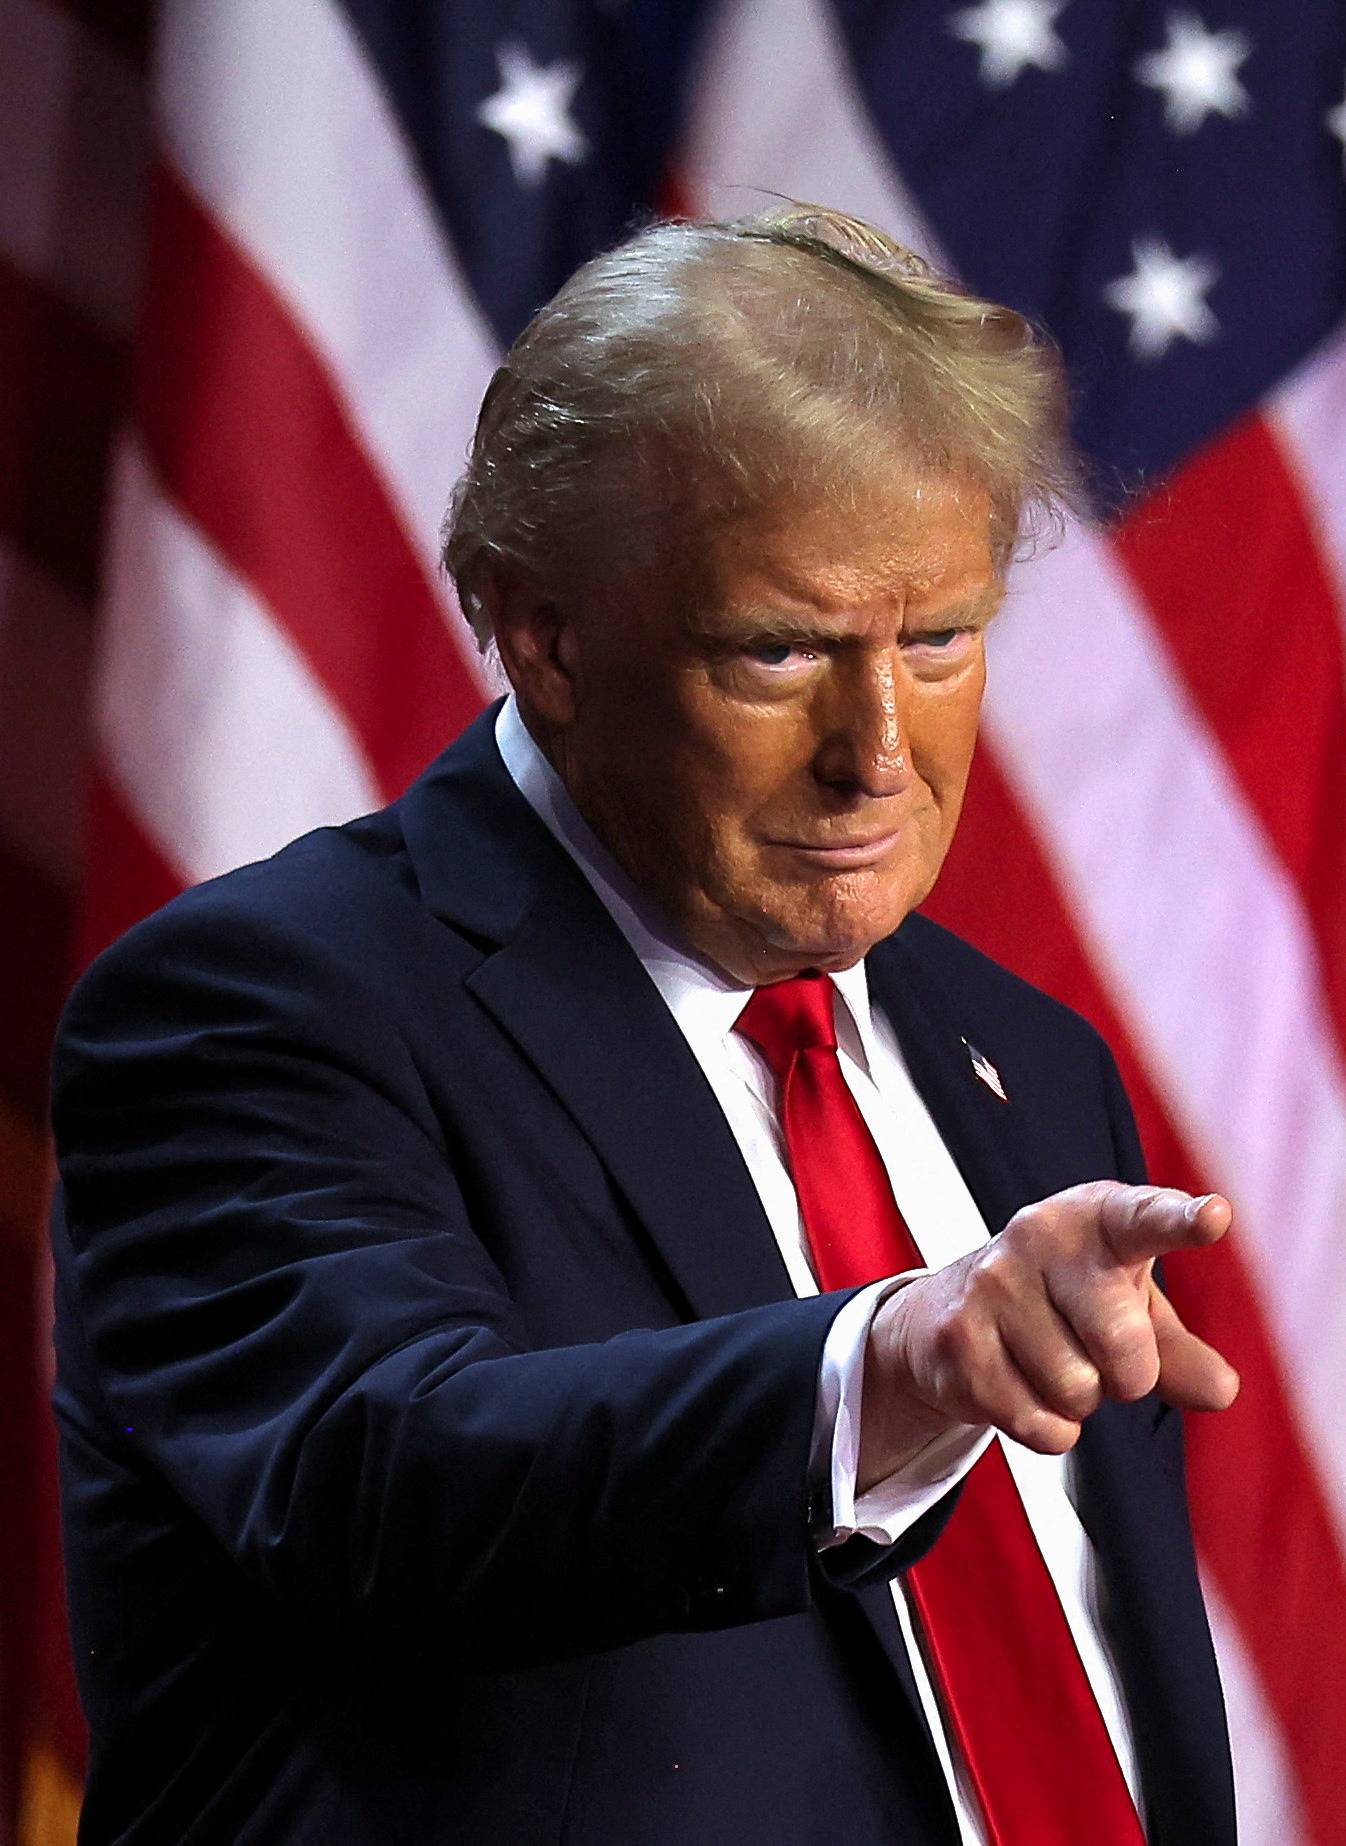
x,y
703,1000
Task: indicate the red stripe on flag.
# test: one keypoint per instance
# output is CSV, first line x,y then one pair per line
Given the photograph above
x,y
253,443
36,928
1254,1491
1265,1534
61,391
126,876
1227,563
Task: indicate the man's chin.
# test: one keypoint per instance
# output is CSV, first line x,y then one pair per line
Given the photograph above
x,y
846,929
756,936
789,947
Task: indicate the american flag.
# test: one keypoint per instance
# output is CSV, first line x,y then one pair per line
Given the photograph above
x,y
256,265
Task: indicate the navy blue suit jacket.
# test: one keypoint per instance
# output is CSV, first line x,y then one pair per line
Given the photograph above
x,y
435,1410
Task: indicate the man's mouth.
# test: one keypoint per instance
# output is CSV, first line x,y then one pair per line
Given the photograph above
x,y
844,855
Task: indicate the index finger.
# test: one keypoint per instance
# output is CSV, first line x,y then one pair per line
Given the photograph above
x,y
1139,1222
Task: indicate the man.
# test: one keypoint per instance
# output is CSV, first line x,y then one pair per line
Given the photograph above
x,y
456,1444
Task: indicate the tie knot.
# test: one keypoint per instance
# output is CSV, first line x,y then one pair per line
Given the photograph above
x,y
791,1017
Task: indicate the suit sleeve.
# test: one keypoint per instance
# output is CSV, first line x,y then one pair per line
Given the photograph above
x,y
292,1321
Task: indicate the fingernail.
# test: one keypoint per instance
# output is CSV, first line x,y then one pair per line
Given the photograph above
x,y
1193,1208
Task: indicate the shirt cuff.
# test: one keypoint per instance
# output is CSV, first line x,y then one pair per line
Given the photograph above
x,y
892,1506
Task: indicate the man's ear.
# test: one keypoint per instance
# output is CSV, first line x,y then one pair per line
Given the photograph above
x,y
534,634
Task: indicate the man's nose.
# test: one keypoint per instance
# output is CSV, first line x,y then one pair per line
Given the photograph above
x,y
863,744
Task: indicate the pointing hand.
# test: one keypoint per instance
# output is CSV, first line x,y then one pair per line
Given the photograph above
x,y
1032,1332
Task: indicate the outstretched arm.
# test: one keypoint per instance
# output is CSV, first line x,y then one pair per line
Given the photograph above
x,y
294,1321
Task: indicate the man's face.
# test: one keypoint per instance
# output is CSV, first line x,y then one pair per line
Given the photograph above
x,y
776,745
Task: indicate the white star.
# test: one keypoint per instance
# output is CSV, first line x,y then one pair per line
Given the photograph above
x,y
1198,72
1336,121
1012,35
531,109
1163,296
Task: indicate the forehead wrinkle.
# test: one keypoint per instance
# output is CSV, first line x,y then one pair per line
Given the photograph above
x,y
850,590
774,574
909,564
825,601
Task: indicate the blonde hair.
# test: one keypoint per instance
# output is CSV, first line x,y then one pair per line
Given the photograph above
x,y
702,370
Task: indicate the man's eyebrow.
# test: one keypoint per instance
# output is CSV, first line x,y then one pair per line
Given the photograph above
x,y
772,621
976,609
765,620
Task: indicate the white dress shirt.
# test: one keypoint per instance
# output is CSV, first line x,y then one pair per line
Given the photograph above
x,y
939,1211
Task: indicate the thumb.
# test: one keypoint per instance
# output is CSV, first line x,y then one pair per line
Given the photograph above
x,y
1192,1375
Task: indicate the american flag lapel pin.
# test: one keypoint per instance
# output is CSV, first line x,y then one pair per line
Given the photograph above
x,y
985,1072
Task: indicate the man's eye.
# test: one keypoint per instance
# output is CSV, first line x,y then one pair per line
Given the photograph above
x,y
776,653
938,637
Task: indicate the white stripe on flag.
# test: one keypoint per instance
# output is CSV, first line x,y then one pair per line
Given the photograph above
x,y
274,118
200,697
743,146
1308,417
1265,1792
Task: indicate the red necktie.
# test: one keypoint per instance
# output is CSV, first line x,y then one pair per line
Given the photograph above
x,y
1015,1696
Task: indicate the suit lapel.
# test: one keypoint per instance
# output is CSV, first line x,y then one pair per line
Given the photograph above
x,y
562,982
986,1137
989,1144
573,997
984,1134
